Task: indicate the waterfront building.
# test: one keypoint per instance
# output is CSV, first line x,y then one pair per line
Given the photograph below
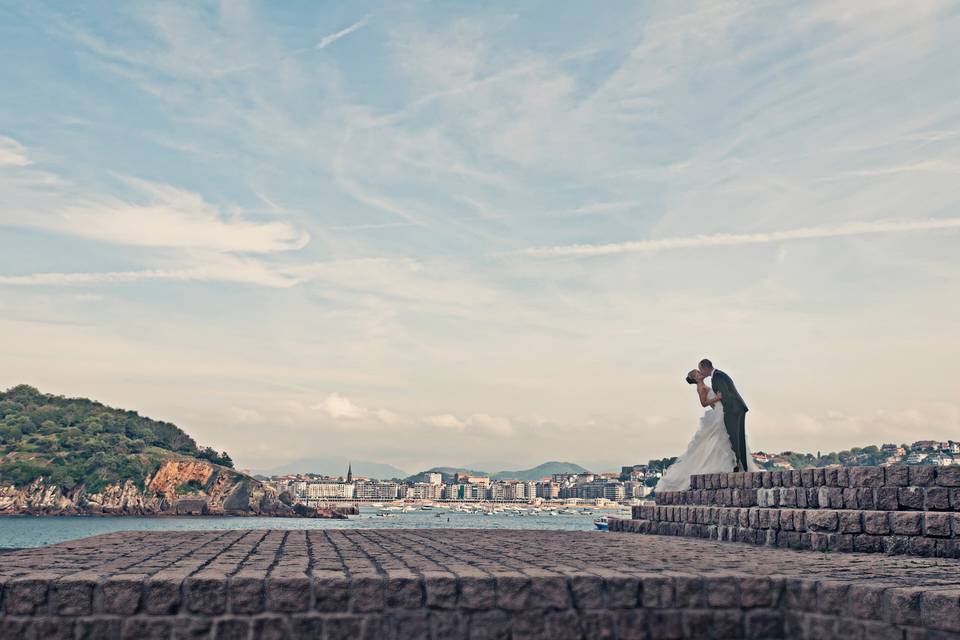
x,y
329,490
548,490
424,491
376,490
434,478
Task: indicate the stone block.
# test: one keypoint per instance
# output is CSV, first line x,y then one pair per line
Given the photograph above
x,y
832,596
206,593
27,595
806,477
246,592
872,477
911,498
344,627
687,593
865,543
757,591
368,592
850,522
896,545
51,628
597,624
843,477
148,628
306,626
948,476
289,593
819,541
764,623
722,591
936,499
93,628
906,523
864,601
850,498
822,520
548,592
876,523
73,595
413,624
897,475
230,628
489,625
819,477
830,477
922,546
655,592
941,610
840,542
440,589
800,594
513,592
450,624
922,476
192,628
902,605
121,594
888,499
162,593
937,524
866,498
331,592
630,624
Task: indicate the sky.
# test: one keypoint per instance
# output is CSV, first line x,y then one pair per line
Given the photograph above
x,y
485,234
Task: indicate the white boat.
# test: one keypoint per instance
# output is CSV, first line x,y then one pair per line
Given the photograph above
x,y
602,523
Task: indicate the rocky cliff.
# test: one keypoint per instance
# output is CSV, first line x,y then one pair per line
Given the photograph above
x,y
178,487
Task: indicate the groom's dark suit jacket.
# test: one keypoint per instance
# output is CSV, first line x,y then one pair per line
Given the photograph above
x,y
732,402
734,416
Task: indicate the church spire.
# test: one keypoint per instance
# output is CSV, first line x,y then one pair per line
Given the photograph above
x,y
349,472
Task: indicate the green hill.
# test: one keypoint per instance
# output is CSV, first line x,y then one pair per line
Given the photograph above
x,y
73,441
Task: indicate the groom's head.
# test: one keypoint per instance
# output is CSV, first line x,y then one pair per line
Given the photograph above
x,y
706,368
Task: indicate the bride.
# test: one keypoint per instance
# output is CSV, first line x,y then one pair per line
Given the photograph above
x,y
710,450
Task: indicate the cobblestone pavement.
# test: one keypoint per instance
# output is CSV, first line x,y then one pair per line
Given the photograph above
x,y
465,583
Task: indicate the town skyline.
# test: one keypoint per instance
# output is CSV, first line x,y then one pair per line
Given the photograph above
x,y
488,235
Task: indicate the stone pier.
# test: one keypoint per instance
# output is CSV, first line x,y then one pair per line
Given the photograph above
x,y
449,584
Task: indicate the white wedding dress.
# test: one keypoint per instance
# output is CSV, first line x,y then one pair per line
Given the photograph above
x,y
709,451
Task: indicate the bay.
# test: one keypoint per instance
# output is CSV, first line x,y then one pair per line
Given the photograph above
x,y
17,532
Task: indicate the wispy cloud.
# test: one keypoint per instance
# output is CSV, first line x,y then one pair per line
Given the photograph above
x,y
328,40
12,153
732,239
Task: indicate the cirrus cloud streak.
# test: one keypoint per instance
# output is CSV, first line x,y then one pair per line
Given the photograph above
x,y
736,239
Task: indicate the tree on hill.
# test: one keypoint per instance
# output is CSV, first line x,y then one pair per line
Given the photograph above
x,y
70,441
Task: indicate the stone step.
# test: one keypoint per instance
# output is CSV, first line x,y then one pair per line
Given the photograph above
x,y
893,532
883,498
856,477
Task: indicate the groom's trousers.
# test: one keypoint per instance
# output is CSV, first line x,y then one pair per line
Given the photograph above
x,y
736,424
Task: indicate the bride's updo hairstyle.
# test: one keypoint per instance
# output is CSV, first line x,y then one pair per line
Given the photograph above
x,y
690,379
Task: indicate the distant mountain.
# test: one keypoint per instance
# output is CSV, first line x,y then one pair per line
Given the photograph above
x,y
544,470
335,466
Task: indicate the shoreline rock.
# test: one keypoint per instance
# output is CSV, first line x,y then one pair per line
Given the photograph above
x,y
178,488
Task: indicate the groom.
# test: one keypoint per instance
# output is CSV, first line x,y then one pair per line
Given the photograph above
x,y
734,410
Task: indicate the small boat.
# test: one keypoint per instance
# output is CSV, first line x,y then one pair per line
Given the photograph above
x,y
601,523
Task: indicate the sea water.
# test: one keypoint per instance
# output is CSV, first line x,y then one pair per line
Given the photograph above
x,y
17,532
